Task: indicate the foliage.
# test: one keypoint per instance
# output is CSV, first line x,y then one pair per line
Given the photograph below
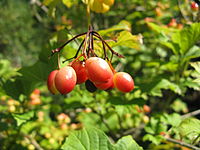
x,y
91,138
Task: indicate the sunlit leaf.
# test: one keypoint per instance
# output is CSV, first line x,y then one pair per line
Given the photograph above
x,y
67,3
164,84
189,127
94,139
123,25
154,139
22,118
187,37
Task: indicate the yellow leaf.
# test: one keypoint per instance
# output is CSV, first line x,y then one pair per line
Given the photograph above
x,y
67,3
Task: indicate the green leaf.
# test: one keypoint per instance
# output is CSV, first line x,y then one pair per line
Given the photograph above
x,y
127,143
30,78
196,66
94,139
196,74
67,3
174,47
179,106
6,70
173,119
194,52
154,139
187,37
125,38
22,118
155,126
161,29
189,127
123,25
164,84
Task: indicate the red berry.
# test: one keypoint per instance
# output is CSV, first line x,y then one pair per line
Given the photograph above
x,y
51,82
79,67
65,80
146,108
36,91
123,82
172,23
98,70
194,6
105,85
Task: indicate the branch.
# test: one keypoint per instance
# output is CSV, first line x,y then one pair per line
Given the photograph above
x,y
34,142
194,113
182,13
182,143
38,3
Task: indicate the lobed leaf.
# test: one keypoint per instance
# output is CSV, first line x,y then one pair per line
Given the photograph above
x,y
94,139
22,118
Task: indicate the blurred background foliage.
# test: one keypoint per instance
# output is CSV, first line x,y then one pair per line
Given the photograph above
x,y
161,44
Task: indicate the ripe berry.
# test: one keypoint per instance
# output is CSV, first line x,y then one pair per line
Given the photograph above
x,y
194,6
98,70
146,108
123,82
65,80
105,85
172,23
79,67
51,82
90,86
36,91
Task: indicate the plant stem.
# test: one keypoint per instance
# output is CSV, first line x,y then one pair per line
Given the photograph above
x,y
112,51
76,52
194,113
58,61
88,15
182,143
57,50
34,142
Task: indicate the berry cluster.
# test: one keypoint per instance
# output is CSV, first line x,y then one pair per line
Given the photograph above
x,y
95,72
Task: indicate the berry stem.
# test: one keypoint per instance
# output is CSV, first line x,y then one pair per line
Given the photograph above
x,y
58,61
84,51
76,52
75,59
88,15
57,50
104,50
112,51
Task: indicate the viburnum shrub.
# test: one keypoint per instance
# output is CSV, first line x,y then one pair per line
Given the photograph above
x,y
94,71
